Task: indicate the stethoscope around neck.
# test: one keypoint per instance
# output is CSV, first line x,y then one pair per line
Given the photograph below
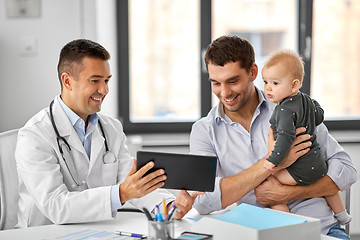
x,y
108,157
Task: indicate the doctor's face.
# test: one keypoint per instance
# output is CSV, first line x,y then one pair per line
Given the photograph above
x,y
85,92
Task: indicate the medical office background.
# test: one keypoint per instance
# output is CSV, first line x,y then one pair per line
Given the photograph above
x,y
159,85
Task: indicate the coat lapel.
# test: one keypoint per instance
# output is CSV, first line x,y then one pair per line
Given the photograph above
x,y
66,130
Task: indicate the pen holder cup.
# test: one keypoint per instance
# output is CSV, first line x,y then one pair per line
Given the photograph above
x,y
161,230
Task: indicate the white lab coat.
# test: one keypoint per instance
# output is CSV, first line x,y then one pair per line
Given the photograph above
x,y
48,193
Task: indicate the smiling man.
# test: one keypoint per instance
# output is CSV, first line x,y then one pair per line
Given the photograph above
x,y
236,131
73,164
85,93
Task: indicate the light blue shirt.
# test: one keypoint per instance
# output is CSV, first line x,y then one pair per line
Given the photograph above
x,y
79,126
85,138
237,150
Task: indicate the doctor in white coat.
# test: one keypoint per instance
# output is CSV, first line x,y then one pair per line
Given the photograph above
x,y
73,164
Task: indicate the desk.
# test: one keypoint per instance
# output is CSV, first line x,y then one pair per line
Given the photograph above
x,y
125,221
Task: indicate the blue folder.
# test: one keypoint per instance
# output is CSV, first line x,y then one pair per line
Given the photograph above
x,y
258,218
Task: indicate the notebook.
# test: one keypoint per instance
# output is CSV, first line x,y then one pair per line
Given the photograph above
x,y
258,218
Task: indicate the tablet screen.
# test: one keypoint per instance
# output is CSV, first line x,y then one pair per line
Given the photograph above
x,y
183,171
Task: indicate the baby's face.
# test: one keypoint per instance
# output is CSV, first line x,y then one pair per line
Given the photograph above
x,y
277,83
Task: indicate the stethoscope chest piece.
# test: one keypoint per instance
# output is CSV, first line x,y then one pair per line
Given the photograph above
x,y
109,157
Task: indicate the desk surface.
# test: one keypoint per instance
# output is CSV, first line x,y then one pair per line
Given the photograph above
x,y
125,221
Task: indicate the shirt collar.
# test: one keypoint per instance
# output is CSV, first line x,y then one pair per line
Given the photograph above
x,y
263,102
221,116
219,113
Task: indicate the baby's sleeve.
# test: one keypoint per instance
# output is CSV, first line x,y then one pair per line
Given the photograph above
x,y
286,133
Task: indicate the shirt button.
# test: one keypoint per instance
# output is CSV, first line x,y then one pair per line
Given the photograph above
x,y
73,186
83,182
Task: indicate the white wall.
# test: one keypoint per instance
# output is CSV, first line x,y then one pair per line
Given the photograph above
x,y
29,83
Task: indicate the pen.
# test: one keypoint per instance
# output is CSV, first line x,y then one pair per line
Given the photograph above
x,y
172,212
130,234
158,217
158,214
165,209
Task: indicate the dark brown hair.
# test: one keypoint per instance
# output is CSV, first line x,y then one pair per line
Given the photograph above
x,y
72,54
227,49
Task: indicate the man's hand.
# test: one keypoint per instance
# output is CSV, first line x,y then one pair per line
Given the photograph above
x,y
184,202
300,147
269,165
271,192
136,186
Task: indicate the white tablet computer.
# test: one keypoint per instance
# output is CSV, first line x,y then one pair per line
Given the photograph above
x,y
183,171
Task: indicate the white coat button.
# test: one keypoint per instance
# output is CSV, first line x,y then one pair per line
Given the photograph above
x,y
73,186
83,182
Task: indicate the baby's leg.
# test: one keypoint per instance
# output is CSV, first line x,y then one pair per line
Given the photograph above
x,y
285,178
336,204
281,207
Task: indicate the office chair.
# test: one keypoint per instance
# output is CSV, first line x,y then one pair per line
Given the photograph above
x,y
9,182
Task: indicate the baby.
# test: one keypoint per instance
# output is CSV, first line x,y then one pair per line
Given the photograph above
x,y
283,75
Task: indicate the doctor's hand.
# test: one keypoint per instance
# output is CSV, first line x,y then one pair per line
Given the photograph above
x,y
136,186
184,202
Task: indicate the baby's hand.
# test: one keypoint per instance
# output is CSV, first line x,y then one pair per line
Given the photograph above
x,y
269,165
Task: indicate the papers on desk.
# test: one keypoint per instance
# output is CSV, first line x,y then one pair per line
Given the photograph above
x,y
254,223
258,218
90,234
